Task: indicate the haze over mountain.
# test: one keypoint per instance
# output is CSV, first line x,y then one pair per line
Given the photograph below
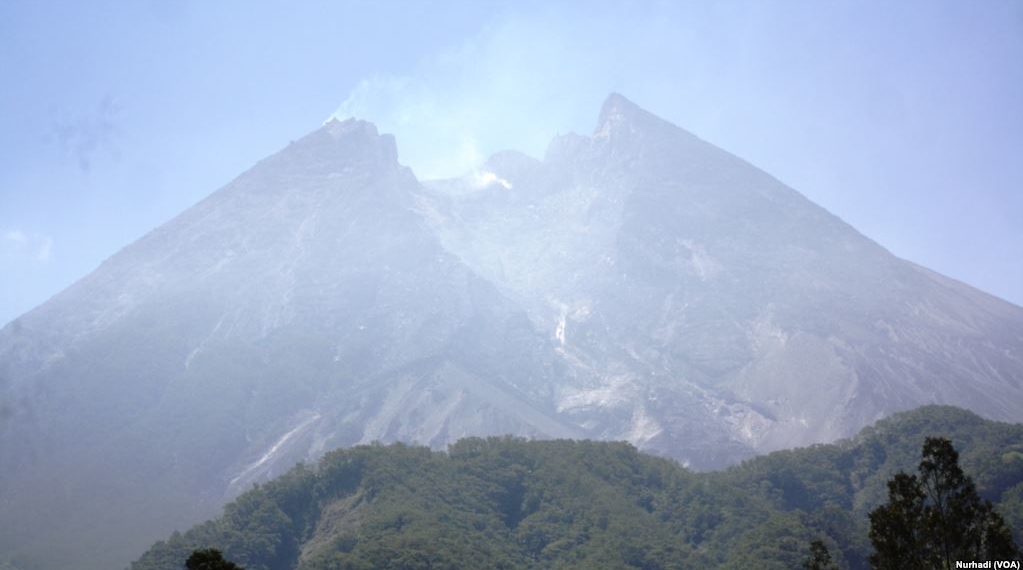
x,y
707,297
635,284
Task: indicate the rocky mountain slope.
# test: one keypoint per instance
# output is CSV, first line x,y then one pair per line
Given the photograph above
x,y
635,284
719,312
303,307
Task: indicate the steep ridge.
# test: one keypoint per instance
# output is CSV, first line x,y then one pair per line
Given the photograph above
x,y
719,312
303,307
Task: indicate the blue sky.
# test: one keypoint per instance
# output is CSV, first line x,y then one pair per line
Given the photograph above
x,y
902,118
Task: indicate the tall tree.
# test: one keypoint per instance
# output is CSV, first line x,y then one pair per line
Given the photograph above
x,y
936,518
896,528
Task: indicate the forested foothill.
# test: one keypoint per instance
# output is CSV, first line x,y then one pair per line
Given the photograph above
x,y
510,504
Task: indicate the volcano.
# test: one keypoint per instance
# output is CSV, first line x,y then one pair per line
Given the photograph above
x,y
636,284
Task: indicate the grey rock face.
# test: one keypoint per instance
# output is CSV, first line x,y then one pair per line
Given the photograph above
x,y
635,284
717,312
303,307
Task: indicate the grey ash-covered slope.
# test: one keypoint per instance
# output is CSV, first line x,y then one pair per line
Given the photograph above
x,y
719,312
635,284
303,307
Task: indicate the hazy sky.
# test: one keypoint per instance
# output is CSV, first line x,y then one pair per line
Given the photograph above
x,y
903,118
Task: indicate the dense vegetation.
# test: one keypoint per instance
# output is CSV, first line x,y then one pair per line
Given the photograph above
x,y
507,503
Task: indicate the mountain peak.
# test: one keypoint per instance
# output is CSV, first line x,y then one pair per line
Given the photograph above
x,y
617,104
618,115
337,128
355,138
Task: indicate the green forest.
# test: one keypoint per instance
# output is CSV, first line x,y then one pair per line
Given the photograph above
x,y
507,503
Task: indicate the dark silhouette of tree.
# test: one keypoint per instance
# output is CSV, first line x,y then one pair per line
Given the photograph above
x,y
209,559
896,528
936,518
820,558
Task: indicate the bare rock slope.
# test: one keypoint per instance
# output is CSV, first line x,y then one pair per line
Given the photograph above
x,y
637,284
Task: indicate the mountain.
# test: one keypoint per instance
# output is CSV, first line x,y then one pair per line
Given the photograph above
x,y
636,284
720,313
509,503
303,307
